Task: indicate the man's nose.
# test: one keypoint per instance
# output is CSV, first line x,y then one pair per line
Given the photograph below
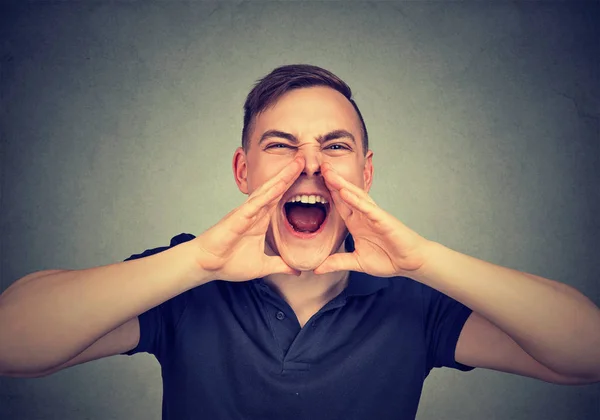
x,y
312,163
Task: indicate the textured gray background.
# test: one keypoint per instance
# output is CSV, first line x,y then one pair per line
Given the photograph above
x,y
119,121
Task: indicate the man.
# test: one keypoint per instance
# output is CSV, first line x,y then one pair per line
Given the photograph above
x,y
308,301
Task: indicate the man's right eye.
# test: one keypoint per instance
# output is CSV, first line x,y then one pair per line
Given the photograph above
x,y
277,146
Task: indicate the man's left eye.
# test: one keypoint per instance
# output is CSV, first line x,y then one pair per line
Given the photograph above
x,y
337,146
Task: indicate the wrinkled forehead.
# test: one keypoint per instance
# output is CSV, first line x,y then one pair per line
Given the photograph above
x,y
308,113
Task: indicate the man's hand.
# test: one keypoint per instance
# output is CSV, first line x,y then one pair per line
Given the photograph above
x,y
234,249
384,247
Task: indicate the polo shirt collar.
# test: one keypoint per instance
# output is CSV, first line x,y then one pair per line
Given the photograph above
x,y
363,284
359,284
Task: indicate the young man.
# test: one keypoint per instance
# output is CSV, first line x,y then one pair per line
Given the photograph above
x,y
308,301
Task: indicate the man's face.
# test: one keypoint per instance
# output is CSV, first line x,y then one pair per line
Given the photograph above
x,y
319,124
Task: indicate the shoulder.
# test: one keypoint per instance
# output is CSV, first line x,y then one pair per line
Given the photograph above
x,y
365,284
175,240
399,296
402,294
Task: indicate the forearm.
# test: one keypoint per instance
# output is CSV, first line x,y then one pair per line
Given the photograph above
x,y
554,323
48,319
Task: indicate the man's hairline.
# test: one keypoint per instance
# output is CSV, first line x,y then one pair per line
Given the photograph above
x,y
252,123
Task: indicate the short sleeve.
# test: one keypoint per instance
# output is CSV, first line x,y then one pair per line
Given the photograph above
x,y
444,320
158,324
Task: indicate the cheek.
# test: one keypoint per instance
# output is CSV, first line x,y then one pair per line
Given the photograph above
x,y
344,165
350,171
264,169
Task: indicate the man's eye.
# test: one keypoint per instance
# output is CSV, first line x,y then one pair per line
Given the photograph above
x,y
337,146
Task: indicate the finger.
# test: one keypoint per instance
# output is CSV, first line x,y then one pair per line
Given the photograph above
x,y
267,210
342,208
263,218
335,181
284,178
276,265
264,199
343,261
368,208
272,189
242,221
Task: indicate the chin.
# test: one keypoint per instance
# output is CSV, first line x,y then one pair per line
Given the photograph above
x,y
306,254
304,259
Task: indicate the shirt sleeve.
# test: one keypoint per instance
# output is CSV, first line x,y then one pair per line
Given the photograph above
x,y
444,320
157,325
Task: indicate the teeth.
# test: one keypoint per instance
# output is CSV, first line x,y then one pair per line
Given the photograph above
x,y
308,199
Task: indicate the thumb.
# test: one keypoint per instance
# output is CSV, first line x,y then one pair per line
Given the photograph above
x,y
343,261
276,265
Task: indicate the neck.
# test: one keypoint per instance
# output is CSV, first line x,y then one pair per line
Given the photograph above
x,y
308,289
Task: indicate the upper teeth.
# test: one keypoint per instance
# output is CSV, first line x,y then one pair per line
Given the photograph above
x,y
310,199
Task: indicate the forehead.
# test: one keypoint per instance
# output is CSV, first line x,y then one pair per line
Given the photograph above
x,y
309,112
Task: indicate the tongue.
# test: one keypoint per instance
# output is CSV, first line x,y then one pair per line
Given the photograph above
x,y
305,218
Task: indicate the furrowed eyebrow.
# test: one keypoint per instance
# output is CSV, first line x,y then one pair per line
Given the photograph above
x,y
336,134
278,134
332,135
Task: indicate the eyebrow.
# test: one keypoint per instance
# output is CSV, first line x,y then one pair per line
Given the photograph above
x,y
332,135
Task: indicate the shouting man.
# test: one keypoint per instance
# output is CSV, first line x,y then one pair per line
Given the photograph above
x,y
308,301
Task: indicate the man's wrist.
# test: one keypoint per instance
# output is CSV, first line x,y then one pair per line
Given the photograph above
x,y
432,252
190,258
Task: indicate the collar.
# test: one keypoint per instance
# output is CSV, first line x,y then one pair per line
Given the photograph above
x,y
359,284
363,284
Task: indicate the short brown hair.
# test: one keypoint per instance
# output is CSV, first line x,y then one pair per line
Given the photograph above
x,y
283,79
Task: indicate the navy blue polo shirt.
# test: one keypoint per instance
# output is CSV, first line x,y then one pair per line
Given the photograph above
x,y
235,350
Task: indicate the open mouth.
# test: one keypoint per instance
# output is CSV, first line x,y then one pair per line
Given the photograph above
x,y
306,219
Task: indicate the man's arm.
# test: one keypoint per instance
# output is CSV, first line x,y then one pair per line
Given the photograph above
x,y
120,340
482,344
555,328
522,323
53,319
48,318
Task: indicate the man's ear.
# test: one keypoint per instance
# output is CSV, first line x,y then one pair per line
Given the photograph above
x,y
240,169
368,171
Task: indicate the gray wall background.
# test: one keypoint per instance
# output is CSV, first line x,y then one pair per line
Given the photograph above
x,y
119,121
